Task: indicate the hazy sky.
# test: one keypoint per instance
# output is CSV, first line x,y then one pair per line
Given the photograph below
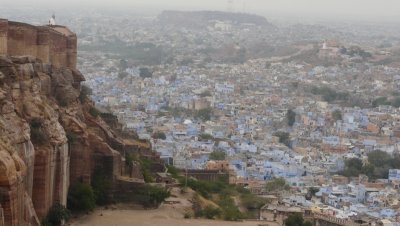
x,y
357,9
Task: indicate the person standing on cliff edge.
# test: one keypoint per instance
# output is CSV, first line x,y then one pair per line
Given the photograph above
x,y
52,20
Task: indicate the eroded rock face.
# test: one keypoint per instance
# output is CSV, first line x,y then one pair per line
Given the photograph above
x,y
39,107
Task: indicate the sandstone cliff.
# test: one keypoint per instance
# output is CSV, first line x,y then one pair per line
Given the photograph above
x,y
41,112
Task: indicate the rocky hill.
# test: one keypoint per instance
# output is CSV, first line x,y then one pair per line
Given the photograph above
x,y
200,19
51,137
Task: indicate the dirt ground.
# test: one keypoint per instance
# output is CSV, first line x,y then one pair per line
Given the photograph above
x,y
169,213
163,216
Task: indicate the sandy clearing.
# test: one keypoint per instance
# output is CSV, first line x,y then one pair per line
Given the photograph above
x,y
162,216
170,213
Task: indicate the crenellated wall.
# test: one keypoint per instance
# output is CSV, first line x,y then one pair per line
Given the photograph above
x,y
55,45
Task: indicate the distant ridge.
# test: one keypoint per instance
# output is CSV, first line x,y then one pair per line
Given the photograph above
x,y
201,18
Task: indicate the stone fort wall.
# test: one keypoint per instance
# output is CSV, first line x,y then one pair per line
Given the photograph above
x,y
55,45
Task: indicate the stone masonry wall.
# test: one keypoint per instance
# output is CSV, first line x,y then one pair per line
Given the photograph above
x,y
41,42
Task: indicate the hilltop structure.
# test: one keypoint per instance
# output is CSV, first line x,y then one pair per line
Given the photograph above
x,y
51,135
52,44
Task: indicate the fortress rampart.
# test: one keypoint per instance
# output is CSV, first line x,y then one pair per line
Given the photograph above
x,y
55,45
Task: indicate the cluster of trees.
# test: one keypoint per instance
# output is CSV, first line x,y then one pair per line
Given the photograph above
x,y
225,208
206,93
145,166
206,136
291,117
101,185
284,138
229,208
205,188
81,198
203,114
217,155
337,115
355,51
328,94
93,111
159,135
395,101
251,202
140,53
378,165
296,220
221,193
145,72
277,184
311,192
85,93
56,215
150,196
209,212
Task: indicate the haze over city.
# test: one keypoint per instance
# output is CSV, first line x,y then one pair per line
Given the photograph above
x,y
359,10
200,113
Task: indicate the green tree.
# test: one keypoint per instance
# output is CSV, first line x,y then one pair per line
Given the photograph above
x,y
284,138
173,171
229,209
57,213
217,155
252,202
291,117
145,167
379,158
81,198
159,135
145,72
276,184
101,185
311,192
204,114
206,136
122,75
296,220
329,94
206,93
151,196
380,101
353,167
368,170
396,102
337,115
157,194
85,92
378,167
211,212
93,111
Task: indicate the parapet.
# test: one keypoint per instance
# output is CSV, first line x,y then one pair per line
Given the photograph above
x,y
56,45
